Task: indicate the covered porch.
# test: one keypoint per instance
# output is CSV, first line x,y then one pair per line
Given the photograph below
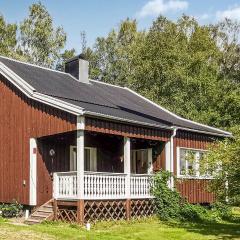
x,y
104,166
95,166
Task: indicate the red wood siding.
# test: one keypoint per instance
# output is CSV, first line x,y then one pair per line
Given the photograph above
x,y
47,164
193,190
20,119
159,162
127,130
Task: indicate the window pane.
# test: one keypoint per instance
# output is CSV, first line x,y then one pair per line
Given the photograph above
x,y
191,161
139,161
182,162
86,159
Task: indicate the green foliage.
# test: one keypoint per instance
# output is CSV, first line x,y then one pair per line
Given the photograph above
x,y
222,211
197,213
40,43
8,38
225,157
170,205
11,210
66,55
111,58
166,200
190,69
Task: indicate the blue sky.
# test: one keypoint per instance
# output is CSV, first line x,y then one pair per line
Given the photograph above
x,y
97,17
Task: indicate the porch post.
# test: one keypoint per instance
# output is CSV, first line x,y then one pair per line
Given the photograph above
x,y
80,169
80,164
127,171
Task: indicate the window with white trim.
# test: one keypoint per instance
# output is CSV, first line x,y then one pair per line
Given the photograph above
x,y
189,162
141,161
90,159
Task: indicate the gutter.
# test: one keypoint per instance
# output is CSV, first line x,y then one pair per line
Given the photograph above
x,y
172,156
94,114
227,134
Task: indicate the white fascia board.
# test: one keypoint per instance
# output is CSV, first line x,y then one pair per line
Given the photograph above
x,y
126,120
57,103
224,133
18,82
30,92
206,132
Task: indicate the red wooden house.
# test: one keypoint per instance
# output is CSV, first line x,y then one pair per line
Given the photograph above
x,y
89,145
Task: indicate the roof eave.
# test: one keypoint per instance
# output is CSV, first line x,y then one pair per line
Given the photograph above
x,y
226,134
31,93
94,114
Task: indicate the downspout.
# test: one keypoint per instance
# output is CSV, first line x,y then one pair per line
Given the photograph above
x,y
172,157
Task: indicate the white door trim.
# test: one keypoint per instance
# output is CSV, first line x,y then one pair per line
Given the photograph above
x,y
33,172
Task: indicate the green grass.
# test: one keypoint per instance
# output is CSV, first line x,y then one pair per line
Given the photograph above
x,y
146,229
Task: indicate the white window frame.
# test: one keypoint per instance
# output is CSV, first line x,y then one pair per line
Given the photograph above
x,y
197,165
93,158
149,156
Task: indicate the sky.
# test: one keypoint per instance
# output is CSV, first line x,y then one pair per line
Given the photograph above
x,y
98,17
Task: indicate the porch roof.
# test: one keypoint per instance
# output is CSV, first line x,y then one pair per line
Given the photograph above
x,y
101,98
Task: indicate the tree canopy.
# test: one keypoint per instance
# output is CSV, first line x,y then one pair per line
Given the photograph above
x,y
39,41
8,40
190,69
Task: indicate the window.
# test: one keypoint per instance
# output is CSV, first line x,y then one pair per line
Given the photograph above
x,y
141,161
189,162
90,159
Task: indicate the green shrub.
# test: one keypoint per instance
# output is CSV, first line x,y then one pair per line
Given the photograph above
x,y
196,213
170,204
222,211
11,210
166,200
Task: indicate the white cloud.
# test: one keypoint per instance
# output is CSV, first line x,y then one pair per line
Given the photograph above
x,y
156,7
232,13
204,16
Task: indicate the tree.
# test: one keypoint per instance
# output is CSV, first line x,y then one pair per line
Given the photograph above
x,y
180,65
67,54
8,38
111,57
40,42
227,35
223,160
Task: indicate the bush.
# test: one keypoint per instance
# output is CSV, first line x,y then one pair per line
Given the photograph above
x,y
11,210
166,200
170,204
222,211
197,213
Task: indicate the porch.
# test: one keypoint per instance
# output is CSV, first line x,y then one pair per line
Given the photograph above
x,y
95,166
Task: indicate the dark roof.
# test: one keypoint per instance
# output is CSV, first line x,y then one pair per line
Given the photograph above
x,y
100,98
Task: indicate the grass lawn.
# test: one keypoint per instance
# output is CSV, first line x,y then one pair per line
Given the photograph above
x,y
146,229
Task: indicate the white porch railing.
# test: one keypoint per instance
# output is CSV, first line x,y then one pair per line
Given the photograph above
x,y
99,185
65,185
140,185
104,185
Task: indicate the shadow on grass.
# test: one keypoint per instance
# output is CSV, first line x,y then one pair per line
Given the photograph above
x,y
223,231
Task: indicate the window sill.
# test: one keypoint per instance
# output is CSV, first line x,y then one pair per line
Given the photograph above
x,y
195,177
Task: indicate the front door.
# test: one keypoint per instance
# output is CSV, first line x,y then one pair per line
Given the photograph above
x,y
141,161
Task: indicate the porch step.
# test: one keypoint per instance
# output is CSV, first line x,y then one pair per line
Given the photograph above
x,y
44,212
